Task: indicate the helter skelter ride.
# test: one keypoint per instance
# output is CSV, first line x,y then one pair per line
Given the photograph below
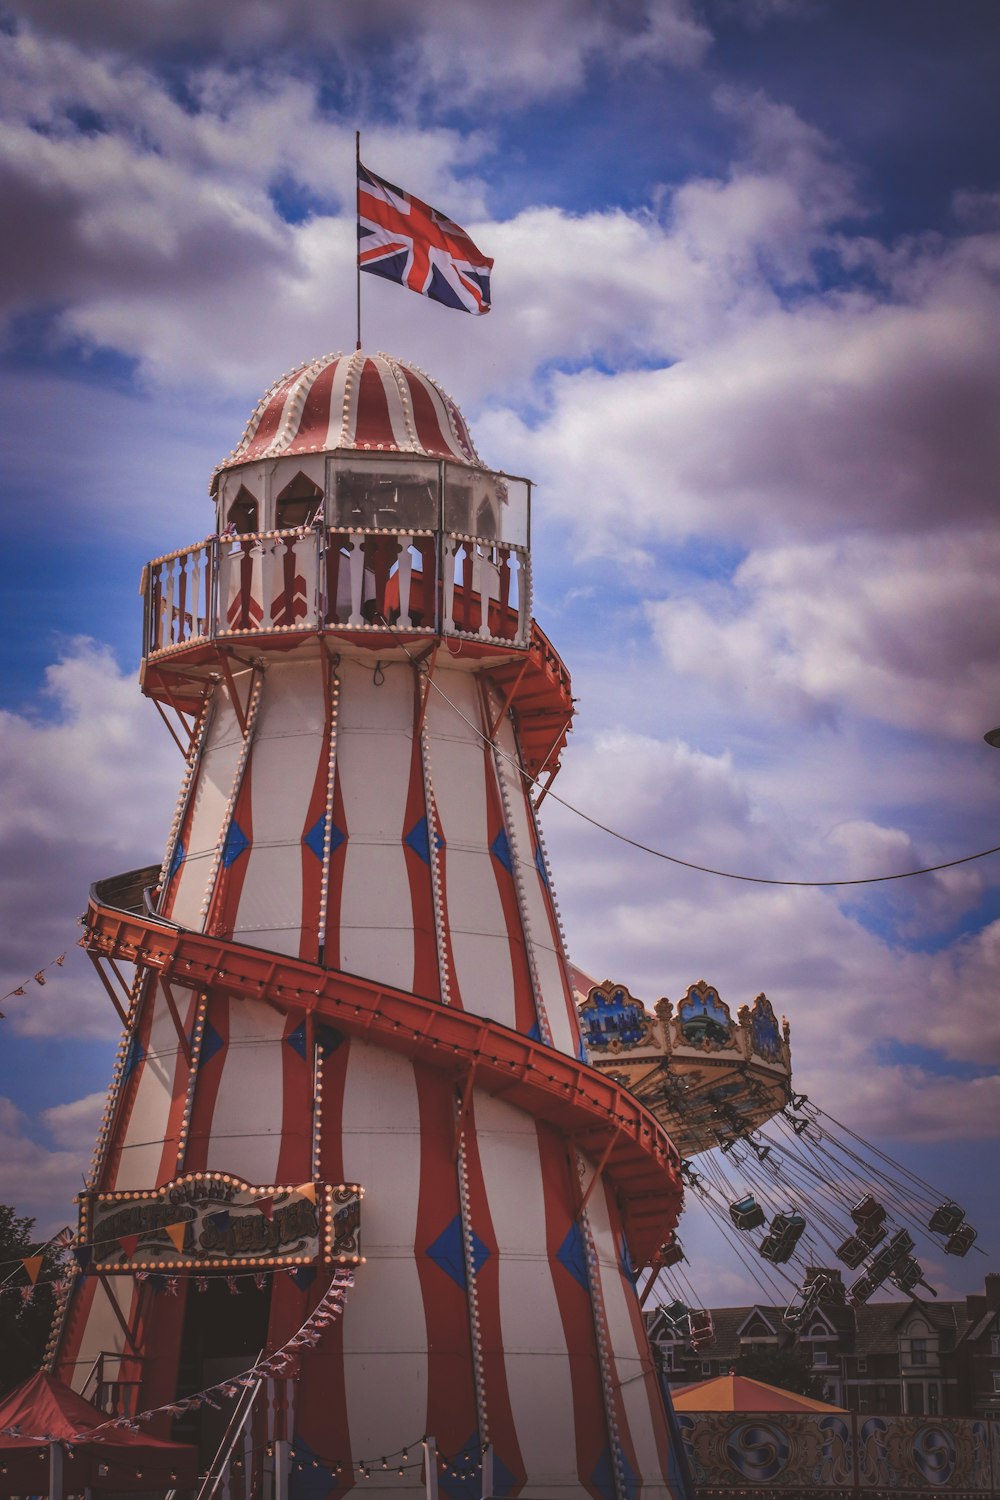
x,y
350,977
350,983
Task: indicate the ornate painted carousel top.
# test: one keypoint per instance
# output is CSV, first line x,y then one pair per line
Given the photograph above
x,y
706,1077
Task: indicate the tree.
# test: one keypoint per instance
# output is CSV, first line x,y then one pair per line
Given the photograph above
x,y
24,1326
785,1368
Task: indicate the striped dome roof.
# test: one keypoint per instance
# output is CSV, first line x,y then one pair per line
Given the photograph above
x,y
357,402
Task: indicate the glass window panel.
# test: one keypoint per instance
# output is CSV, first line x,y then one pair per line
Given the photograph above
x,y
395,494
478,503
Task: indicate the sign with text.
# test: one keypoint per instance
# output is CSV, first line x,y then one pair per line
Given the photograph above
x,y
214,1221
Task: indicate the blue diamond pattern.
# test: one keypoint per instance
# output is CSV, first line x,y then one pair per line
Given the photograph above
x,y
211,1042
603,1476
571,1254
625,1261
308,1482
418,839
314,838
177,860
500,849
134,1055
447,1252
535,1034
464,1487
540,867
328,1038
235,845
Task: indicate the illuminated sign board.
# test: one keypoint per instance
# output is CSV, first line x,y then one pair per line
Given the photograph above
x,y
213,1221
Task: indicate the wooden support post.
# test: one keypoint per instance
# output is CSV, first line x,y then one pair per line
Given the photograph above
x,y
282,1468
185,1045
598,1170
508,700
430,1469
234,696
57,1487
126,1330
654,1275
95,960
545,789
173,732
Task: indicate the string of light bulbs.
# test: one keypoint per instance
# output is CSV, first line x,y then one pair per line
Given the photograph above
x,y
675,859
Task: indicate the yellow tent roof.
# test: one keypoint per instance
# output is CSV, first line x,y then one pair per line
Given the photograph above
x,y
740,1393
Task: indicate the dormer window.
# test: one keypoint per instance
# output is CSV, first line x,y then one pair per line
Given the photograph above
x,y
242,514
297,503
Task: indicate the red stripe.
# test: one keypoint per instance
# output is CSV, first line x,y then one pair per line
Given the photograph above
x,y
371,422
503,1432
268,425
335,884
314,424
426,978
650,1384
312,868
525,1012
451,1394
225,900
425,419
186,1003
557,1163
295,1152
206,1089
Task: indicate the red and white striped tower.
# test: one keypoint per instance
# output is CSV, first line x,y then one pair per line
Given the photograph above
x,y
350,968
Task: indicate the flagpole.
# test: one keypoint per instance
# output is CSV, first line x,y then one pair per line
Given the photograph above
x,y
357,225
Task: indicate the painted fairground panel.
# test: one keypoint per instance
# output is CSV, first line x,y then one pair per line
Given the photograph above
x,y
913,1453
794,1454
692,1065
212,1220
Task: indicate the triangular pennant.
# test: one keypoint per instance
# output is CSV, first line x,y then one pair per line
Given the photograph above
x,y
81,1254
128,1243
33,1265
40,977
219,1220
61,960
308,1190
20,990
266,1206
176,1235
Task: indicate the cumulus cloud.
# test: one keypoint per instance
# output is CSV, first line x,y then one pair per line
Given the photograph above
x,y
867,625
40,1181
85,792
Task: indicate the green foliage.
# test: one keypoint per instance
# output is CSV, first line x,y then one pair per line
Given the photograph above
x,y
24,1327
786,1368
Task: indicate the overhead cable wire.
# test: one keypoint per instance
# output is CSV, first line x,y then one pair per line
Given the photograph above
x,y
674,859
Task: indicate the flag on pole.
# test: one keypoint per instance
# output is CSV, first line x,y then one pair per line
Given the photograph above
x,y
403,239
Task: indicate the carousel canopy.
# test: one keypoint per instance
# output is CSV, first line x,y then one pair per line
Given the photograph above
x,y
740,1393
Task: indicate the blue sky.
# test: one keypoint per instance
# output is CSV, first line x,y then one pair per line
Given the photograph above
x,y
744,339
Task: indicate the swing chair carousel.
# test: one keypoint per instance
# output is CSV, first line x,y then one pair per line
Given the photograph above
x,y
702,1074
815,1191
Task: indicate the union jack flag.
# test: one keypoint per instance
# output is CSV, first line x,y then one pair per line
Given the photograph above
x,y
403,239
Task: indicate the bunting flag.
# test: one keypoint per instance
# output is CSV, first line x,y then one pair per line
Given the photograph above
x,y
40,977
128,1243
82,1254
175,1233
308,1190
266,1206
33,1265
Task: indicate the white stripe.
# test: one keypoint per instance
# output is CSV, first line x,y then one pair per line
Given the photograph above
x,y
211,796
337,422
374,748
248,1118
548,964
289,741
397,417
385,1331
534,1340
478,927
147,1125
628,1360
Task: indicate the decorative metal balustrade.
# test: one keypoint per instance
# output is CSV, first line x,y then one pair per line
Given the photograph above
x,y
314,578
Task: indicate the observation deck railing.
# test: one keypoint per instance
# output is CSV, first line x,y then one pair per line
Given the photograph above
x,y
319,578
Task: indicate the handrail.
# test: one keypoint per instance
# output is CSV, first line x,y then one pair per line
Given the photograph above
x,y
589,1107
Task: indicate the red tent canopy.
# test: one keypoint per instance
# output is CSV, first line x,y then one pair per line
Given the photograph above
x,y
44,1410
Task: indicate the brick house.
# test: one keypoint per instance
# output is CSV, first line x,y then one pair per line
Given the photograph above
x,y
914,1357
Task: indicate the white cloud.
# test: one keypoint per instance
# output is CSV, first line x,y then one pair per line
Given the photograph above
x,y
39,1182
84,794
